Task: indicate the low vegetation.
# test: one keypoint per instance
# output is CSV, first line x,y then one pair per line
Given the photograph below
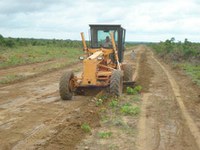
x,y
133,91
185,55
20,51
26,51
178,51
119,116
105,134
85,127
10,78
129,109
114,103
193,71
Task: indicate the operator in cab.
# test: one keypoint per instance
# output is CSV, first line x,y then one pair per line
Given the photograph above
x,y
107,42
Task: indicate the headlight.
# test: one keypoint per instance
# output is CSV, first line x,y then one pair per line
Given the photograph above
x,y
81,57
100,58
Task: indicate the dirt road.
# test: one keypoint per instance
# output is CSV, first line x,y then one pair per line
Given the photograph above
x,y
31,113
32,116
166,121
169,118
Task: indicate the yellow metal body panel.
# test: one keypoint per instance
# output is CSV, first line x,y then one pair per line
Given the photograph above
x,y
95,55
104,73
89,72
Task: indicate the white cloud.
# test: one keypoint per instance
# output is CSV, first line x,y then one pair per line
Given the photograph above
x,y
144,20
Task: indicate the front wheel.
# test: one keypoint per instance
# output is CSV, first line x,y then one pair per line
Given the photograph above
x,y
116,83
66,86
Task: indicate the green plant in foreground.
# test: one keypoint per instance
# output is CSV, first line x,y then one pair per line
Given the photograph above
x,y
11,78
138,88
104,134
99,102
133,91
130,110
193,71
103,97
130,91
85,127
113,103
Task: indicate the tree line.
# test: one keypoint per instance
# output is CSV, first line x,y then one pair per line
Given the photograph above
x,y
16,42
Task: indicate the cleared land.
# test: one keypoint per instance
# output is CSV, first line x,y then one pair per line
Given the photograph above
x,y
32,116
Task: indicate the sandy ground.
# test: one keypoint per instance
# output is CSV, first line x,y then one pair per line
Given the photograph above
x,y
166,122
32,116
24,72
169,118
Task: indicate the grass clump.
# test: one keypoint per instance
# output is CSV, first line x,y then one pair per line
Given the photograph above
x,y
133,91
104,135
10,78
85,127
99,102
193,71
101,99
114,103
128,109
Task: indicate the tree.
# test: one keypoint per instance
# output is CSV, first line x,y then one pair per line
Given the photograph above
x,y
1,37
172,39
1,40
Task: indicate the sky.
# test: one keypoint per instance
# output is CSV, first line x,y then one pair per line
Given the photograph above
x,y
144,20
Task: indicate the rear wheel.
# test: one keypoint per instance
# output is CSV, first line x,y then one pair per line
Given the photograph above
x,y
128,72
116,83
66,86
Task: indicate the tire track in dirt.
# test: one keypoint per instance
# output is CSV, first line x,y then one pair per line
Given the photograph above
x,y
141,140
191,124
31,90
33,139
28,109
162,124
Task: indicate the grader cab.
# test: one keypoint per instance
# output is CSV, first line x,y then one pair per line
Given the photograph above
x,y
102,63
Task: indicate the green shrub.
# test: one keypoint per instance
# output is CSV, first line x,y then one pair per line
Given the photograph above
x,y
99,102
85,127
130,110
133,91
138,88
105,134
113,103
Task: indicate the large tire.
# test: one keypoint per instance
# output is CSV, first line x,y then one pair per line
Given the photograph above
x,y
128,72
65,90
116,83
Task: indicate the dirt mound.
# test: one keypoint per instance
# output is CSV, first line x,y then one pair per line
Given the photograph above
x,y
69,133
145,73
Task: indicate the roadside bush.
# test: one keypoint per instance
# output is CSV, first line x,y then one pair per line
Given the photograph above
x,y
133,91
85,127
179,51
105,134
130,110
114,103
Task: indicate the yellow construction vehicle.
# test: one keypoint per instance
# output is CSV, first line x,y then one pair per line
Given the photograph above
x,y
102,63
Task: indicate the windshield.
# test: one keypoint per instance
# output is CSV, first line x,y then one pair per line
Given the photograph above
x,y
103,37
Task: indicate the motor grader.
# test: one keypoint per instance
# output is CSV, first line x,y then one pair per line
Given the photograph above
x,y
102,63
